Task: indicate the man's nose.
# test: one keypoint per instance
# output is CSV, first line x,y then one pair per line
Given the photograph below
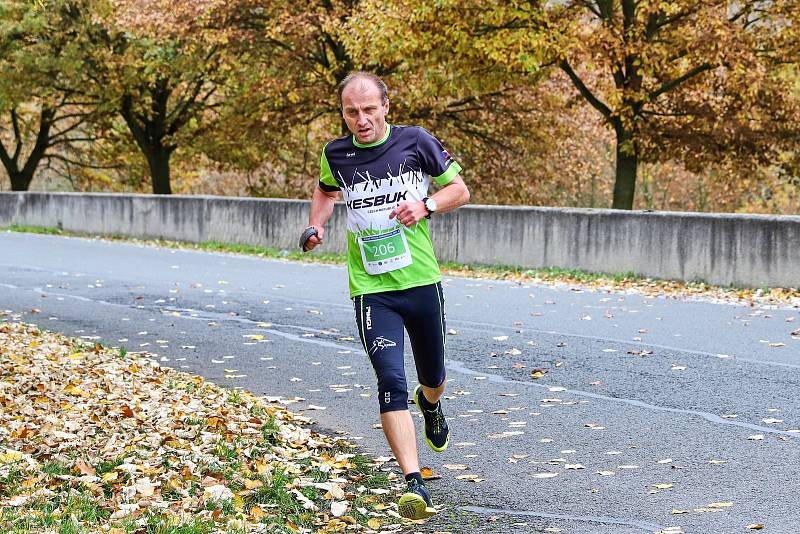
x,y
362,117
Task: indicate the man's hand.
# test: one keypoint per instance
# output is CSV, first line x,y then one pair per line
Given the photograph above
x,y
409,213
314,240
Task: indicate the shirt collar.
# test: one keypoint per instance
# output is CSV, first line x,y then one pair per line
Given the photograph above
x,y
376,143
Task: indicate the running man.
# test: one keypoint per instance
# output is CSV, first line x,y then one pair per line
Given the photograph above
x,y
384,171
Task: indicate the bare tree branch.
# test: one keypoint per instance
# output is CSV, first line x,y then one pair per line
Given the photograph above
x,y
586,92
17,134
669,86
64,159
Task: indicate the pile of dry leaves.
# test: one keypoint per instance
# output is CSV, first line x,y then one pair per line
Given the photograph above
x,y
96,440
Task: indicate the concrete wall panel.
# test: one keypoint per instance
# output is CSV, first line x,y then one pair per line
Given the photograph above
x,y
744,250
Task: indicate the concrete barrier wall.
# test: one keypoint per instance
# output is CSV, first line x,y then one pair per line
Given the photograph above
x,y
744,250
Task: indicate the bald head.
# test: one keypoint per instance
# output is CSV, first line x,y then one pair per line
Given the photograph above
x,y
363,81
364,104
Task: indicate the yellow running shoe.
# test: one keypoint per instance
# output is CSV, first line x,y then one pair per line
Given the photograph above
x,y
416,503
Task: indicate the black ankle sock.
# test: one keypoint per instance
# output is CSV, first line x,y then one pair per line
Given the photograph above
x,y
428,405
416,476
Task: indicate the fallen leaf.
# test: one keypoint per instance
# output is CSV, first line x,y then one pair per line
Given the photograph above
x,y
146,488
85,468
724,504
304,501
455,467
506,434
428,474
19,500
252,484
338,508
538,373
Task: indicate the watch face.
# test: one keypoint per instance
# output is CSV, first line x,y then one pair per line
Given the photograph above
x,y
430,204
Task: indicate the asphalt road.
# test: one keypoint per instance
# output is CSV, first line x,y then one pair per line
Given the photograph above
x,y
648,406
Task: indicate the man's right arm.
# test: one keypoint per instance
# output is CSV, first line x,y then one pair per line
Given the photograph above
x,y
322,203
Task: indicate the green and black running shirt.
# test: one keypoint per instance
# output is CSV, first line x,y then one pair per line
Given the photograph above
x,y
383,255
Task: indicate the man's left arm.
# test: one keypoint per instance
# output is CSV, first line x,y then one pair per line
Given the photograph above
x,y
436,162
453,195
448,198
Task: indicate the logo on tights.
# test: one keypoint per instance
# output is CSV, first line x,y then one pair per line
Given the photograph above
x,y
381,343
369,317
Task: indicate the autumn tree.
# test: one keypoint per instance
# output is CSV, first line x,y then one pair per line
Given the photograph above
x,y
470,72
672,79
275,124
281,123
45,107
166,68
666,74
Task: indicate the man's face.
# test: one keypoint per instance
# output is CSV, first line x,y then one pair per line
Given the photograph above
x,y
363,111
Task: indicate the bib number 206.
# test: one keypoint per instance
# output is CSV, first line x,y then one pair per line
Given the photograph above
x,y
385,249
385,252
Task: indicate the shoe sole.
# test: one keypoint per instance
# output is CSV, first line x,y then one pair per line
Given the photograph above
x,y
413,506
417,393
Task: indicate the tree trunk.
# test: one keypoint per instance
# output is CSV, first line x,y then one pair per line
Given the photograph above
x,y
158,160
149,133
20,180
21,177
627,163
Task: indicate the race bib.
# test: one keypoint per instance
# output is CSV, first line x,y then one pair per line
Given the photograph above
x,y
385,252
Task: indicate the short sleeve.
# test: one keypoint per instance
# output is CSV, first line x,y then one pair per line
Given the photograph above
x,y
435,160
326,180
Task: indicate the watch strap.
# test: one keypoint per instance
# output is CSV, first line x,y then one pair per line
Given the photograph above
x,y
425,203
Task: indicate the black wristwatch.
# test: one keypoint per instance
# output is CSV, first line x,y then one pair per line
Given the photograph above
x,y
430,206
